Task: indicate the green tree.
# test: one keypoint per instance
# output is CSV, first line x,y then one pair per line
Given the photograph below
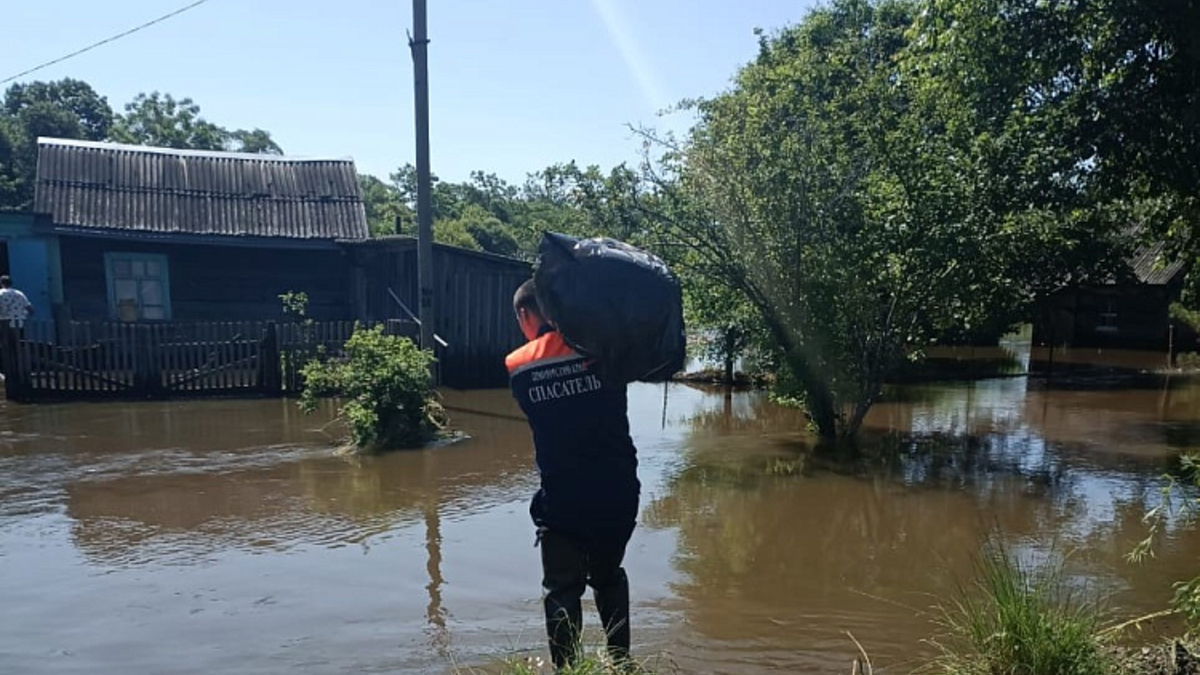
x,y
444,198
62,109
10,179
833,190
254,141
485,230
728,323
1106,94
481,214
160,120
91,114
454,232
387,212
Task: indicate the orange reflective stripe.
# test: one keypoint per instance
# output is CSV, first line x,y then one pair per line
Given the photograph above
x,y
550,346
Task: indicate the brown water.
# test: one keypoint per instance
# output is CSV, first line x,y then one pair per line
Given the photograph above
x,y
227,536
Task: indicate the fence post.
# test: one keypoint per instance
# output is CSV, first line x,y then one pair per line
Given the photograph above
x,y
10,355
270,374
147,375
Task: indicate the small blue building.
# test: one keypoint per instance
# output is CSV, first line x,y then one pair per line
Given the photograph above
x,y
30,256
136,234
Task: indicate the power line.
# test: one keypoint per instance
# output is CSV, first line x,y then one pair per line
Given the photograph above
x,y
105,41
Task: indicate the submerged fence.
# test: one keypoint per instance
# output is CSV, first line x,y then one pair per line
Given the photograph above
x,y
81,360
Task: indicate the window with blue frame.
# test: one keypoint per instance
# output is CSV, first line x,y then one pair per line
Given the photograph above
x,y
138,286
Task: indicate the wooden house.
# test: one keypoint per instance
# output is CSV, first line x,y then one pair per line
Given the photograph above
x,y
1132,313
152,236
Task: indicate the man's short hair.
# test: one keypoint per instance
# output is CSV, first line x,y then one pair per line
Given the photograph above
x,y
5,281
526,298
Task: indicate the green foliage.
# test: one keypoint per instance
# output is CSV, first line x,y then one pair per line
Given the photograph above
x,y
795,205
387,392
1013,618
848,190
387,212
72,109
1186,601
295,304
161,120
1176,502
488,231
1184,315
295,357
454,233
1104,93
65,109
89,115
484,213
1187,361
254,141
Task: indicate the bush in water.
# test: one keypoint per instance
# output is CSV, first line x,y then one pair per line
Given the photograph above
x,y
387,389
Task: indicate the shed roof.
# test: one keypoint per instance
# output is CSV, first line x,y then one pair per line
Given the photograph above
x,y
1151,267
110,186
405,242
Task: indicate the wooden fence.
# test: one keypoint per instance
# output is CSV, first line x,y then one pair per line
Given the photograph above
x,y
82,360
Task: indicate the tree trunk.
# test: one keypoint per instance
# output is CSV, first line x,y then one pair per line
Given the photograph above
x,y
729,349
818,397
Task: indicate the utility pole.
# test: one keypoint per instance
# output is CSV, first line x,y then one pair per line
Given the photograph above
x,y
419,44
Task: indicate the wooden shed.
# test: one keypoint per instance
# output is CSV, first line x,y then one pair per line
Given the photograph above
x,y
474,297
1133,313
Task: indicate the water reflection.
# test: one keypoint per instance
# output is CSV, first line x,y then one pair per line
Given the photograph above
x,y
785,544
231,536
143,483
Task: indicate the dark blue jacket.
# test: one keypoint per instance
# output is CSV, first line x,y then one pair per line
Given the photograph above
x,y
586,459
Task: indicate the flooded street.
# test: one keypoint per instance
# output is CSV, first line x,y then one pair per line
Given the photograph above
x,y
228,536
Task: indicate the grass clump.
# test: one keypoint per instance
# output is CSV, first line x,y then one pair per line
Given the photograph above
x,y
1018,619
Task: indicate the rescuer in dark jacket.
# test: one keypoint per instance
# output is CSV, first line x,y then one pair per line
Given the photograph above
x,y
587,505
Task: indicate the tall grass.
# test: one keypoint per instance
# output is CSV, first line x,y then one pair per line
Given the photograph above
x,y
1018,619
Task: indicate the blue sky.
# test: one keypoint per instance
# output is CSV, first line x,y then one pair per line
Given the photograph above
x,y
515,85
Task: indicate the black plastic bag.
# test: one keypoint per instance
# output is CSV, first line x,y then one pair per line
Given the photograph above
x,y
615,303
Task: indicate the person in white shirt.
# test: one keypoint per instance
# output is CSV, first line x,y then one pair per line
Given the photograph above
x,y
15,308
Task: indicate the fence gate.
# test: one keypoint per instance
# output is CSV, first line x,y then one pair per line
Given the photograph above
x,y
208,358
80,360
84,360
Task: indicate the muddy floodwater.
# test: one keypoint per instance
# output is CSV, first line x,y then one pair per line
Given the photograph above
x,y
229,537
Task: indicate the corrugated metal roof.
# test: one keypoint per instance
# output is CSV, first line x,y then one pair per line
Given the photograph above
x,y
1151,268
135,188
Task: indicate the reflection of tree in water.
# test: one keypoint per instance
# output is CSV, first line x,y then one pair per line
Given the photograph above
x,y
780,526
783,543
745,412
827,515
